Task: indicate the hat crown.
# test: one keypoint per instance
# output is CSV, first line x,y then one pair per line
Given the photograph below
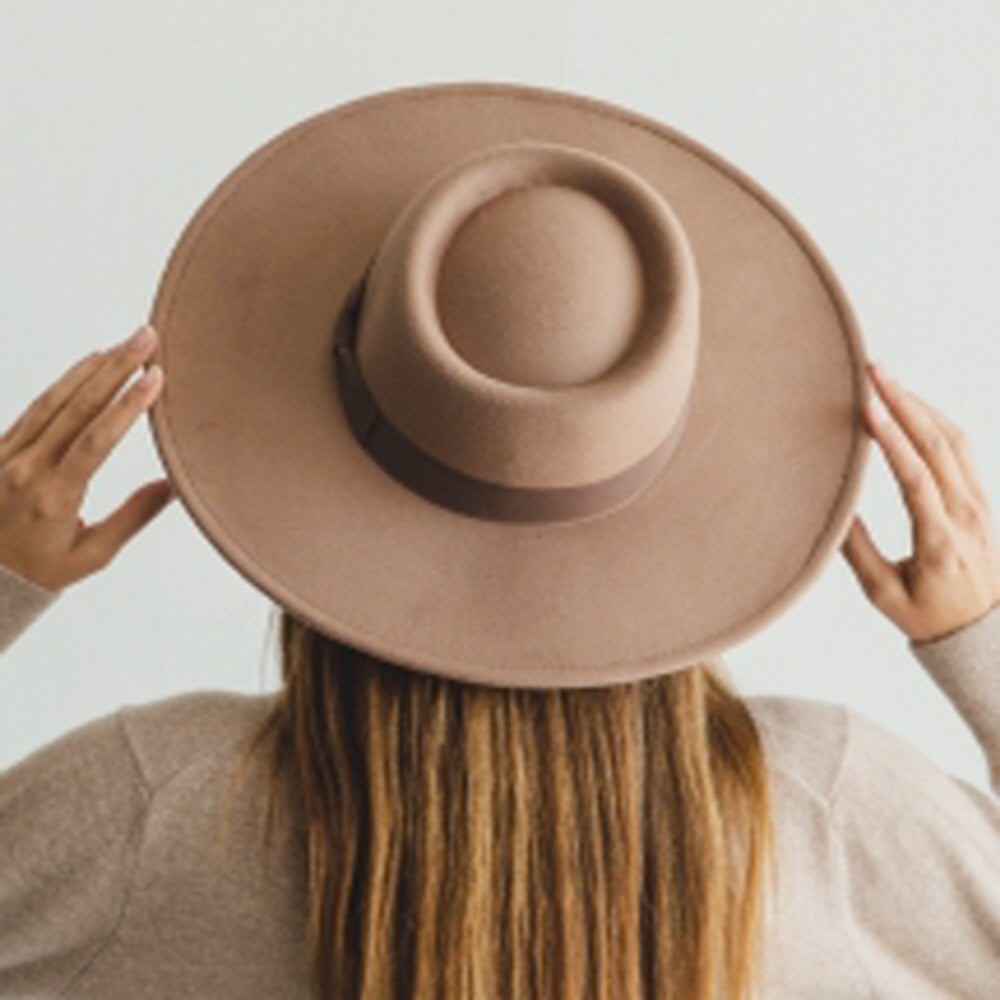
x,y
323,265
529,325
541,285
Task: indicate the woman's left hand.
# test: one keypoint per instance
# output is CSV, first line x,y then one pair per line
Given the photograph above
x,y
48,456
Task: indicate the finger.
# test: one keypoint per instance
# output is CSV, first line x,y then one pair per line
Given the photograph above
x,y
87,401
927,438
98,439
916,483
100,542
879,578
963,453
41,410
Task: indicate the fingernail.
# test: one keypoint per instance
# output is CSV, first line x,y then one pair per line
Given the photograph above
x,y
151,377
883,375
141,338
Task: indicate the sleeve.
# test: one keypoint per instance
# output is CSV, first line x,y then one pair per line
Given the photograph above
x,y
21,602
920,848
71,821
965,665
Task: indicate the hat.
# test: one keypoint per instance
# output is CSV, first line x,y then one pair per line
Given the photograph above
x,y
509,385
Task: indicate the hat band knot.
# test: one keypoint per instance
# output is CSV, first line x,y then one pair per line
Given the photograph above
x,y
422,473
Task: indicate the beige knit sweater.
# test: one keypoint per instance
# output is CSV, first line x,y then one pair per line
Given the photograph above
x,y
889,882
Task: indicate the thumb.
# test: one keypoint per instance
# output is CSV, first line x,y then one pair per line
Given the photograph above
x,y
102,540
878,577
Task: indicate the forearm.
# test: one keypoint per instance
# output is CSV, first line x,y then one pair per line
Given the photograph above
x,y
965,665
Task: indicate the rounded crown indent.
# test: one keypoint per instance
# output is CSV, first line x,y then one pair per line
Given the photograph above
x,y
506,391
541,286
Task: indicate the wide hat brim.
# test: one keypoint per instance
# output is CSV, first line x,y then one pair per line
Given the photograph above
x,y
755,500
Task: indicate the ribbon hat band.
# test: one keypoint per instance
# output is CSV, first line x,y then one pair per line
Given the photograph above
x,y
424,474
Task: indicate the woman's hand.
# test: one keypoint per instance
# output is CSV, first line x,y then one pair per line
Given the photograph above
x,y
48,456
953,575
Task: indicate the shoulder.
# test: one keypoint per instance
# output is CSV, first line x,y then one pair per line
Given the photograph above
x,y
919,860
886,776
805,740
71,822
170,733
855,764
878,839
91,759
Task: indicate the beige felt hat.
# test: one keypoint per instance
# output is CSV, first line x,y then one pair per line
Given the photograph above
x,y
510,385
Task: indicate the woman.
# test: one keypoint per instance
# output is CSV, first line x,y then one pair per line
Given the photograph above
x,y
592,413
560,874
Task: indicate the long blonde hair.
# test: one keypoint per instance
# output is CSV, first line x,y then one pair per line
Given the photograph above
x,y
466,842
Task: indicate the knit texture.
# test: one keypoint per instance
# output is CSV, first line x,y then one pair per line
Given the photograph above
x,y
113,883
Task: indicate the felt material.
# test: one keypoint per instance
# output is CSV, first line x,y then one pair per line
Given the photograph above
x,y
888,881
555,281
440,483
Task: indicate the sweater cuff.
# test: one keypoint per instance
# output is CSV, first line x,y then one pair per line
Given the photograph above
x,y
21,602
965,665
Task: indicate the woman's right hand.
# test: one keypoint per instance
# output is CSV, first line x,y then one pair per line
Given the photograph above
x,y
953,576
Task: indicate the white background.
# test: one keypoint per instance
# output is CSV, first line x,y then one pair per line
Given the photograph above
x,y
874,122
